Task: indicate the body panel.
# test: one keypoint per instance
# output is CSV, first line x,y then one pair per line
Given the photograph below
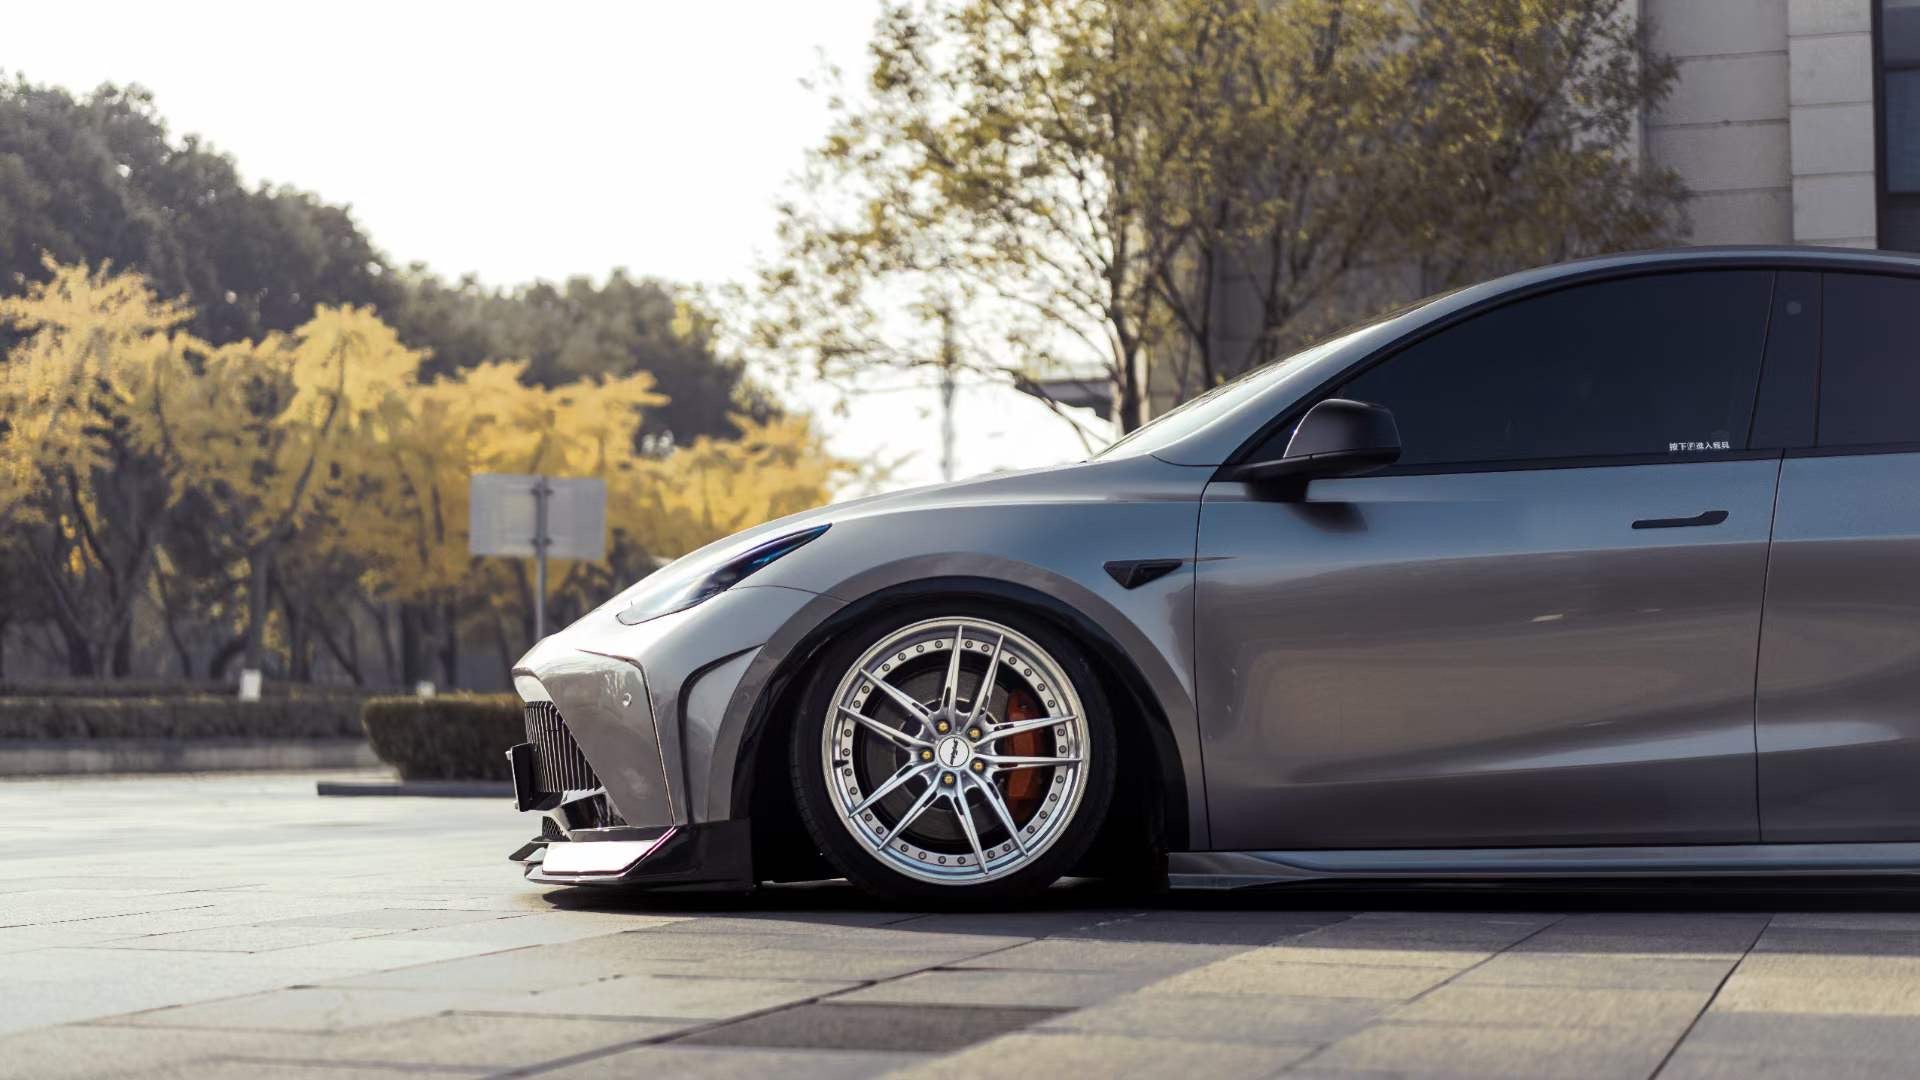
x,y
1839,690
1492,658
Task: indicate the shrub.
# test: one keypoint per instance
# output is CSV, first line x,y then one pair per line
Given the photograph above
x,y
170,688
202,716
451,737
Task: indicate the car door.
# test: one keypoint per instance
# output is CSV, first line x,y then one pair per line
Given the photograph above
x,y
1839,689
1539,628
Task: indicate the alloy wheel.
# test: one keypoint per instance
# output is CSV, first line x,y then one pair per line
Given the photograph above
x,y
956,751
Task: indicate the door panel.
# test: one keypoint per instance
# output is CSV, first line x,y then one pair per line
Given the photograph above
x,y
1839,694
1484,658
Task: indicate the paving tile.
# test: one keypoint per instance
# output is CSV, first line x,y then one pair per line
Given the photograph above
x,y
241,939
1687,1065
1582,1053
1537,1006
822,963
1151,930
1246,974
1846,920
393,919
1079,954
1638,972
1061,989
675,996
1773,1035
1255,1018
319,1009
1840,993
842,1026
1119,1057
1840,942
245,1069
731,1063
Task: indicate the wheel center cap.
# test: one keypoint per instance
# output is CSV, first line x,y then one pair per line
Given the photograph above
x,y
953,751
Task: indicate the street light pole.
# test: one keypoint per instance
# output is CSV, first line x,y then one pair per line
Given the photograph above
x,y
542,491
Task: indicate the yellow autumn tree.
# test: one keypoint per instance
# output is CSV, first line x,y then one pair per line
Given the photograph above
x,y
85,494
713,487
270,431
316,470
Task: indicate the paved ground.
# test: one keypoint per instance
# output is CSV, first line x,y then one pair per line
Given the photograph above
x,y
242,927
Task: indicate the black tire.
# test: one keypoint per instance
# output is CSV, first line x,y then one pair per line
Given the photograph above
x,y
859,863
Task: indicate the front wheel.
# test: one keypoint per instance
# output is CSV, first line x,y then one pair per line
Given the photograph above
x,y
960,755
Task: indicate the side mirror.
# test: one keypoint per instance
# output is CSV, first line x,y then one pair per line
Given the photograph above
x,y
1336,438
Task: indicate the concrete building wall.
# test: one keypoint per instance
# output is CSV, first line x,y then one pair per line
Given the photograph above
x,y
1726,127
1771,123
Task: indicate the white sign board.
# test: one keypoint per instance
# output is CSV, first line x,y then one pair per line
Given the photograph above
x,y
503,516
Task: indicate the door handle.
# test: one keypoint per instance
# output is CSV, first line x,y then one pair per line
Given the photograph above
x,y
1704,517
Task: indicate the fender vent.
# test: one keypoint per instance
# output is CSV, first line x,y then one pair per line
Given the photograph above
x,y
559,766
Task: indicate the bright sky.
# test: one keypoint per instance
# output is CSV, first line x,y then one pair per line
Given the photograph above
x,y
517,141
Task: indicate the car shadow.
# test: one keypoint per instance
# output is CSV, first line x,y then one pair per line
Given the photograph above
x,y
1085,896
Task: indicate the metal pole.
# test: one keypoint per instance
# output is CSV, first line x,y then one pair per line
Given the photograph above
x,y
541,491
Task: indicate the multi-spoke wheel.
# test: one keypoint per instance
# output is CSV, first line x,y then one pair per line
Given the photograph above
x,y
957,754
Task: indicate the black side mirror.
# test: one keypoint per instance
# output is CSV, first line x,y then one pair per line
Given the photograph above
x,y
1336,438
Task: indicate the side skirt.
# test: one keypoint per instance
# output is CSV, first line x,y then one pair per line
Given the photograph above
x,y
1244,869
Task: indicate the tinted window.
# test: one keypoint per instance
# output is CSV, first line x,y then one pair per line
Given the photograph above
x,y
1665,364
1869,360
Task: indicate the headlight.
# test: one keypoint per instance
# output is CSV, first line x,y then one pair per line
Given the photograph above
x,y
697,586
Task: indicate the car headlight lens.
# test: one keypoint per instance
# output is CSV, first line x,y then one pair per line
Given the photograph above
x,y
681,595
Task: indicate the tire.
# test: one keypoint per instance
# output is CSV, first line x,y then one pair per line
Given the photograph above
x,y
907,808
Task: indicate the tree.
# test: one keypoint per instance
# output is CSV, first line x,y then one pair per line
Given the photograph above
x,y
579,330
85,489
98,180
1105,183
270,430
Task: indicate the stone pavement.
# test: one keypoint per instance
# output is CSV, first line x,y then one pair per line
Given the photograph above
x,y
215,927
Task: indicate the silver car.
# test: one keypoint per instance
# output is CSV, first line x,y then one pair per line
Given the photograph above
x,y
1606,568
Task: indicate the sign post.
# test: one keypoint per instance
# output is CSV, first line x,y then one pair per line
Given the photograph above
x,y
537,516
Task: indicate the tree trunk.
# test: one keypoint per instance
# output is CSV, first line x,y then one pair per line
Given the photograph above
x,y
412,658
449,645
258,560
79,653
123,651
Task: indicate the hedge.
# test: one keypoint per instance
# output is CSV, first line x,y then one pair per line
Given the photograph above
x,y
450,737
203,716
173,688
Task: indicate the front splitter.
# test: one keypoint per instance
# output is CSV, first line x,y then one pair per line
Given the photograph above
x,y
711,856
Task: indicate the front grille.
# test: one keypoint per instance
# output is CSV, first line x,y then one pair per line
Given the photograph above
x,y
558,764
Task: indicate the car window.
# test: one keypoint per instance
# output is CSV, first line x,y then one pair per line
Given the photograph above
x,y
1869,360
1662,364
1196,413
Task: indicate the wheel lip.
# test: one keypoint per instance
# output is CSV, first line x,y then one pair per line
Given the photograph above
x,y
1047,670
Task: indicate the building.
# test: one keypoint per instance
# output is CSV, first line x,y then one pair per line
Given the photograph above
x,y
1793,121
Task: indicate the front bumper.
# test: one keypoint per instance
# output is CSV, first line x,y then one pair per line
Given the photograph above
x,y
710,857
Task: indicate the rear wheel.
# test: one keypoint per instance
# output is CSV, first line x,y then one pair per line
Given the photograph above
x,y
962,754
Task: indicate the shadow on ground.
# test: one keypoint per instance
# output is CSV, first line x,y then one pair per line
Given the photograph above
x,y
1652,896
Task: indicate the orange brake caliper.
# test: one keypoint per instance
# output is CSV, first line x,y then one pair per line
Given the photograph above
x,y
1025,787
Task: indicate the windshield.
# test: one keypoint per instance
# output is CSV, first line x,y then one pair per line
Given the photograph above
x,y
1195,413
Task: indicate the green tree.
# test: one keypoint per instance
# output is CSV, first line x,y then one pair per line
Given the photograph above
x,y
576,330
98,180
1100,183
